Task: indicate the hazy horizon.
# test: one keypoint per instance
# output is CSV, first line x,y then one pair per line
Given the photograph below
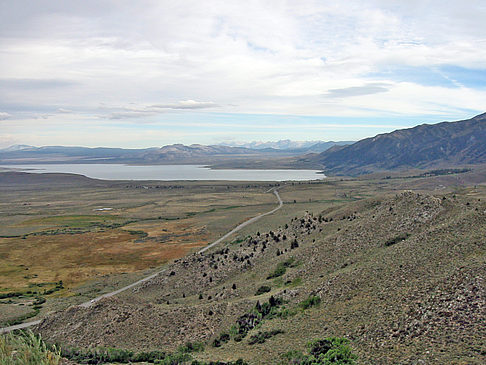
x,y
153,73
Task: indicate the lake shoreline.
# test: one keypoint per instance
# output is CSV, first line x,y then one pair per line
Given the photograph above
x,y
179,172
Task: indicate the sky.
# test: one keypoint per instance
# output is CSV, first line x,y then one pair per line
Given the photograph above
x,y
126,73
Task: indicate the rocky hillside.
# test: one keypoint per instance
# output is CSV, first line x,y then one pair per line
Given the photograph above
x,y
451,143
402,277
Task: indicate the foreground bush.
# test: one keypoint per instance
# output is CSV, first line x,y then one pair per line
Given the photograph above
x,y
26,349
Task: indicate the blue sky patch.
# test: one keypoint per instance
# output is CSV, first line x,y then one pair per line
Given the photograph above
x,y
444,76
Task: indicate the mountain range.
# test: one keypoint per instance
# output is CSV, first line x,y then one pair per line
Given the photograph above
x,y
287,144
424,146
171,154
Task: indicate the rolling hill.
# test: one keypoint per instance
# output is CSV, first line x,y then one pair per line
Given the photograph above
x,y
401,276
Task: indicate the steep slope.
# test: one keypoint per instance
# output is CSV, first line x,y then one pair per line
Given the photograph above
x,y
403,277
462,142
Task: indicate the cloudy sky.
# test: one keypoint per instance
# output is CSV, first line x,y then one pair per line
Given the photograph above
x,y
150,73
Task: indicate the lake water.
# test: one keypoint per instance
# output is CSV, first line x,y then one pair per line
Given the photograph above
x,y
169,172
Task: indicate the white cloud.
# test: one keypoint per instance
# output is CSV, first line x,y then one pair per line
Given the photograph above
x,y
140,111
274,57
186,104
368,89
4,115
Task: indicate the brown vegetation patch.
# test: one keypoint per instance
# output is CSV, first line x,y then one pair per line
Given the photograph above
x,y
74,258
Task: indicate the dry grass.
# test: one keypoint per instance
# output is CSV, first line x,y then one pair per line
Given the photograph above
x,y
77,258
57,234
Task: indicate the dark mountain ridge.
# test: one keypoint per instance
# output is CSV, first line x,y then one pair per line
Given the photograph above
x,y
447,143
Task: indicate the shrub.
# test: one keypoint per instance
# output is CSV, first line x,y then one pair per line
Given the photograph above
x,y
239,337
296,282
312,301
282,268
39,301
237,362
174,359
263,289
216,343
148,356
191,347
279,271
395,240
100,355
223,338
261,337
329,351
251,320
294,244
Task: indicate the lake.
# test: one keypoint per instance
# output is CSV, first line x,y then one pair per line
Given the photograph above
x,y
169,172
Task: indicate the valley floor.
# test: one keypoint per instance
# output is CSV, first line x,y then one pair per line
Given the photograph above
x,y
394,264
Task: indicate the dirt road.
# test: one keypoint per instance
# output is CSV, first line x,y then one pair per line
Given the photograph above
x,y
107,295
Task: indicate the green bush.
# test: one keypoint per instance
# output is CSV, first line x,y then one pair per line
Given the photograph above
x,y
189,347
263,289
174,359
151,356
329,351
282,268
312,301
100,355
249,321
283,313
237,362
223,338
261,337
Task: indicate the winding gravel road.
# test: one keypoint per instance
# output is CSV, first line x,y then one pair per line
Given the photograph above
x,y
147,278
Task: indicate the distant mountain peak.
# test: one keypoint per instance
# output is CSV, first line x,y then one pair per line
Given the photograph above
x,y
287,144
17,147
